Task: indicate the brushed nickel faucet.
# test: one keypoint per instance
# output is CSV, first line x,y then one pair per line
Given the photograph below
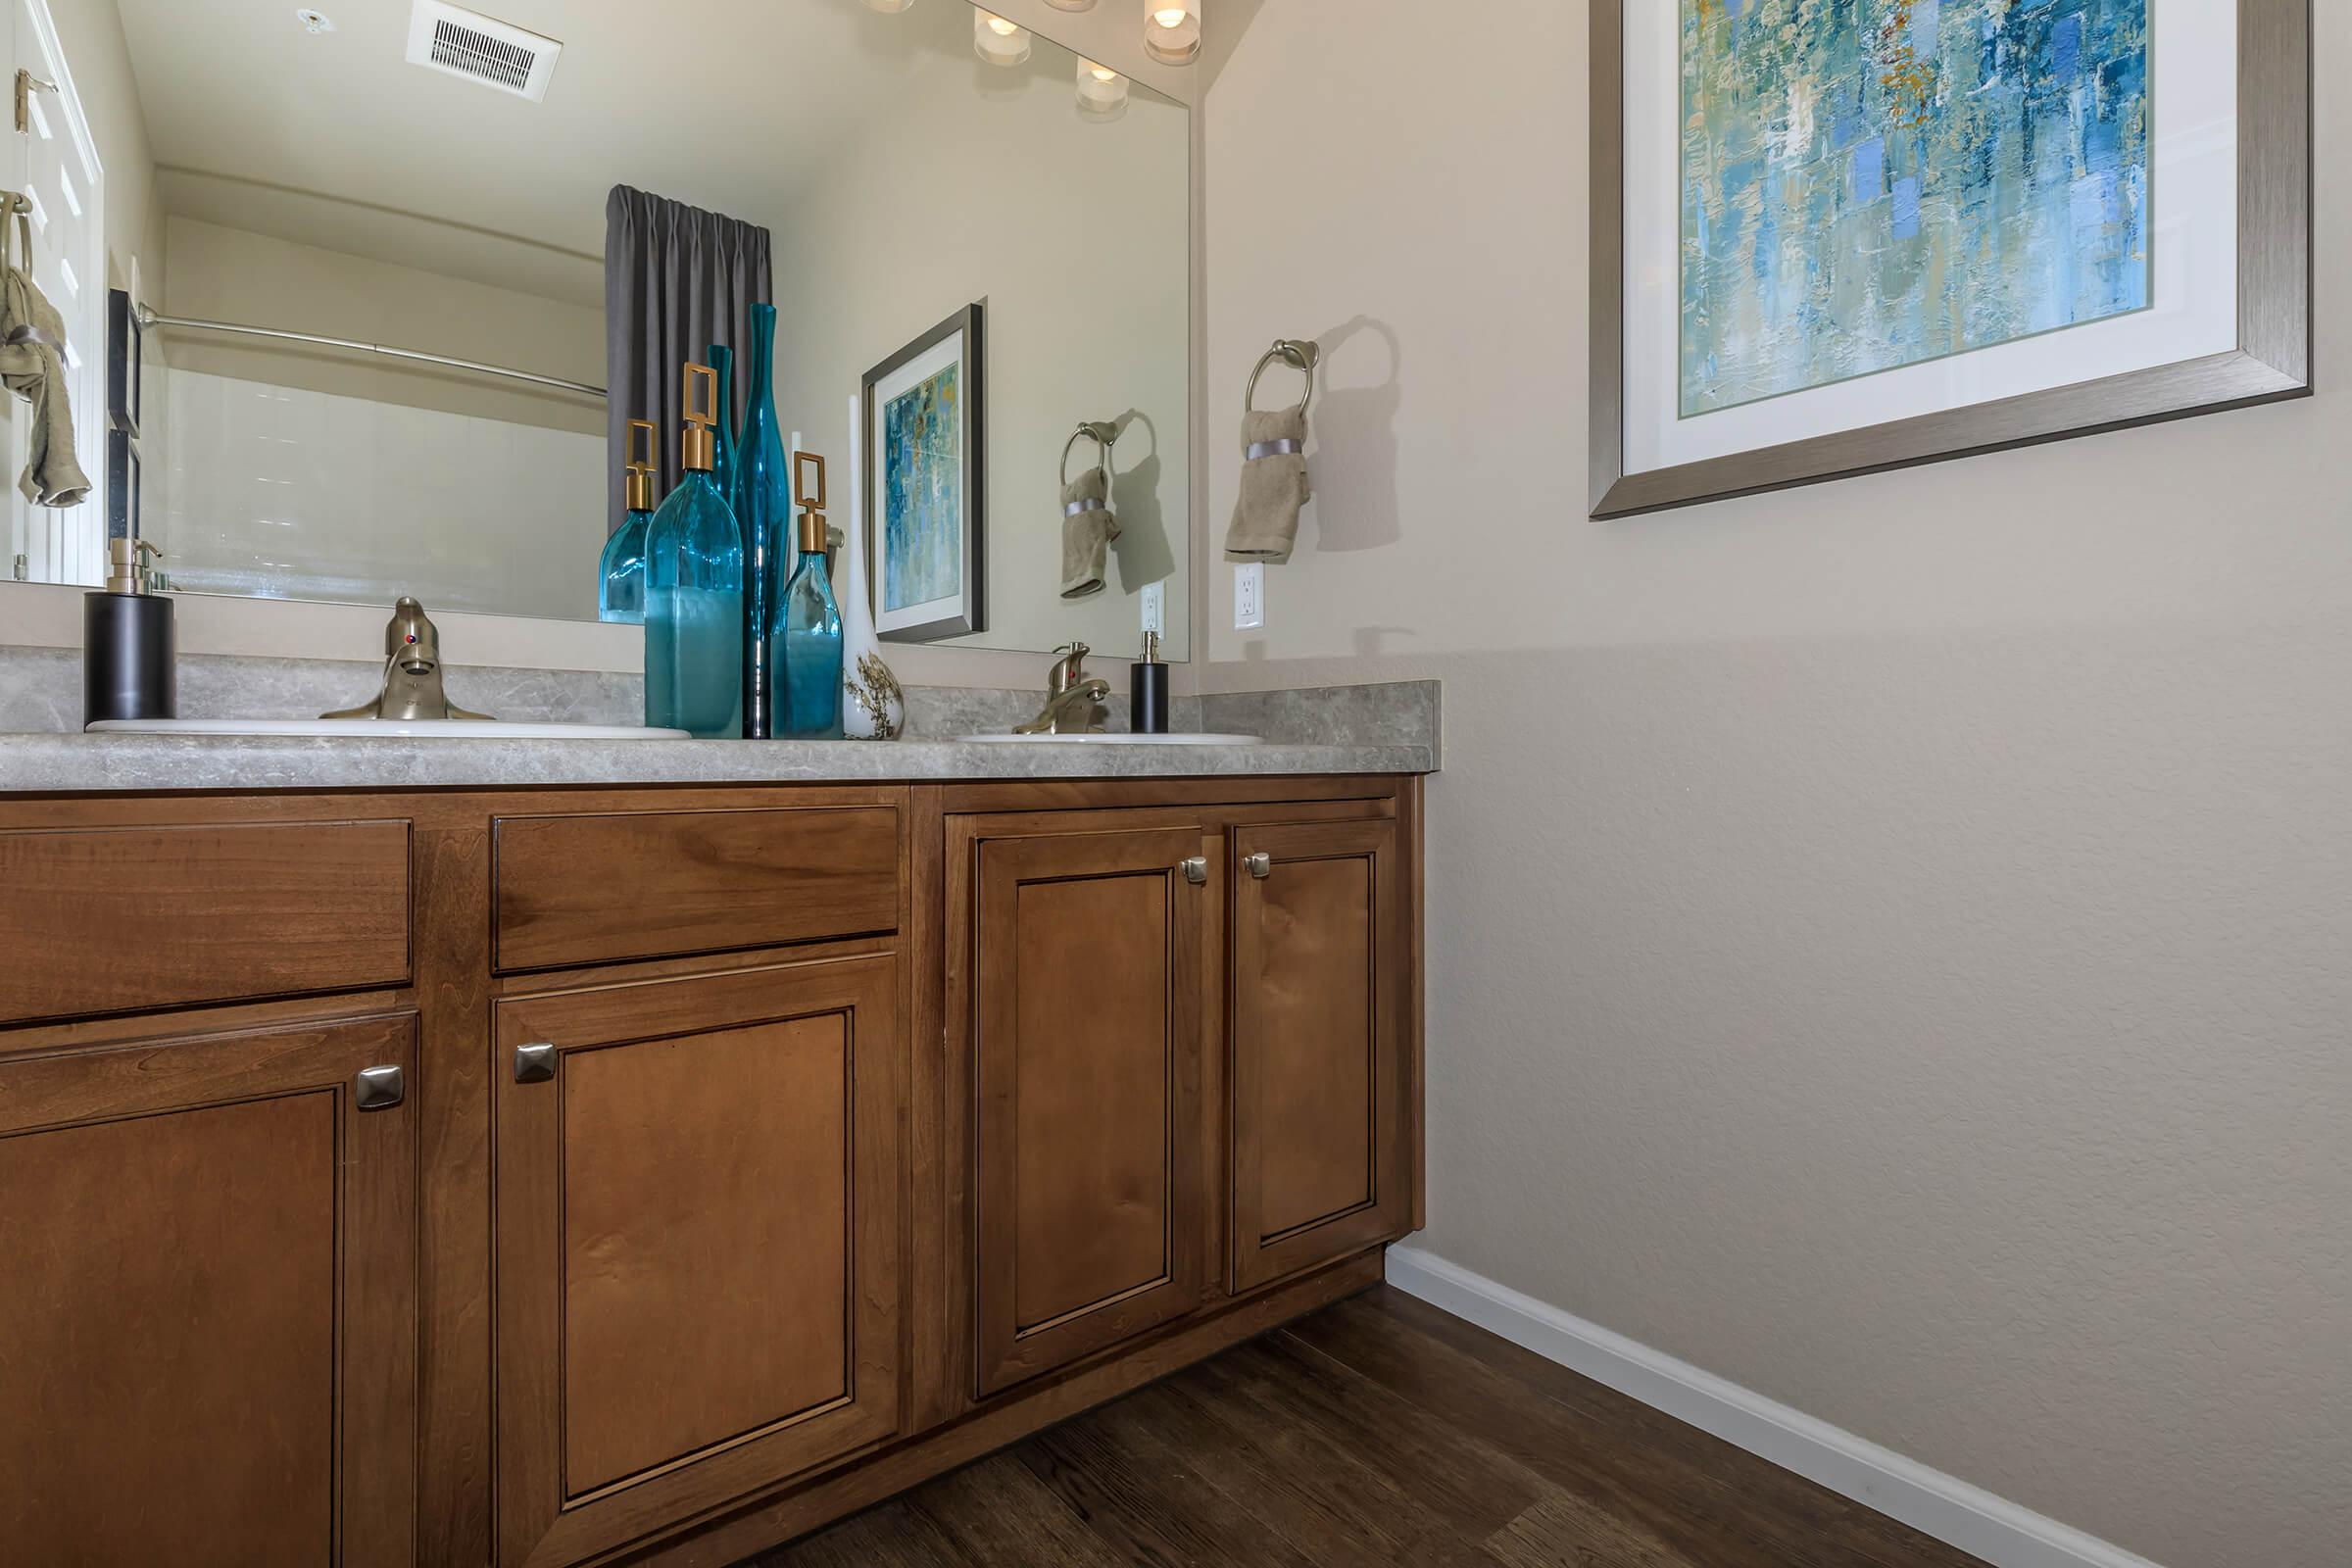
x,y
1073,698
412,687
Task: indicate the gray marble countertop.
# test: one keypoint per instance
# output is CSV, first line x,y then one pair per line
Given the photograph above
x,y
73,763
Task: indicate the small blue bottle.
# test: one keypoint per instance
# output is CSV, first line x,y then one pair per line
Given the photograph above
x,y
620,574
806,646
694,591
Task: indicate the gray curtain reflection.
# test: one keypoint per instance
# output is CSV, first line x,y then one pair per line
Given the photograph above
x,y
677,279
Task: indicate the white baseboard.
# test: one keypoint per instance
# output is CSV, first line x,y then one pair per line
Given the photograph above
x,y
1928,1500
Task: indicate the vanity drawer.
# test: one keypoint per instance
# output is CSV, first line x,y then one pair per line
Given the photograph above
x,y
583,890
130,920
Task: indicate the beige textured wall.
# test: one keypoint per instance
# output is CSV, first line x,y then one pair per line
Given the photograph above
x,y
1075,235
1889,943
233,274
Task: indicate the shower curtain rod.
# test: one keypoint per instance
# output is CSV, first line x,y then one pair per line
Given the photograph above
x,y
149,317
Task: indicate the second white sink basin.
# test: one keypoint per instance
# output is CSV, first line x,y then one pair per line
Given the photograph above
x,y
1124,740
479,729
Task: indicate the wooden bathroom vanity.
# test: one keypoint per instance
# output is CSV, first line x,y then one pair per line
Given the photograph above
x,y
562,1176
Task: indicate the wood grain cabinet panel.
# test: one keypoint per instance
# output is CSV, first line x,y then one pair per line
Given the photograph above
x,y
1088,1060
207,1304
1321,1093
133,918
922,1116
573,890
699,1274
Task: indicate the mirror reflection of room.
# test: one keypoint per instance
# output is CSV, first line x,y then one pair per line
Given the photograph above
x,y
284,196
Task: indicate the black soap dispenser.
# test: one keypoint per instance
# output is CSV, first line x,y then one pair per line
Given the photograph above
x,y
128,668
1148,692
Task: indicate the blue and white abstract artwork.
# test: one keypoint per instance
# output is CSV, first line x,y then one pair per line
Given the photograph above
x,y
1872,183
922,476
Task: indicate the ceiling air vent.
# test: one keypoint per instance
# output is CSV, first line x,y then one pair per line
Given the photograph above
x,y
480,48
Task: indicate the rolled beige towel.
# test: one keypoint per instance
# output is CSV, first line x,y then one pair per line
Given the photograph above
x,y
1088,526
1274,485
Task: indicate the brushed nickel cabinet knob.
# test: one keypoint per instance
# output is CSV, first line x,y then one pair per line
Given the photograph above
x,y
380,1088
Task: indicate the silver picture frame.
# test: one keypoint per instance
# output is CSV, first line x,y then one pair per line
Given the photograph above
x,y
2272,360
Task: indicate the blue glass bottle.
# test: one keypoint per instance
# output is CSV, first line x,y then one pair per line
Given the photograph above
x,y
621,573
694,593
807,645
763,505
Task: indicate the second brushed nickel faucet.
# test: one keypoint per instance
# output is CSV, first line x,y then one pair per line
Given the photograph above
x,y
1073,698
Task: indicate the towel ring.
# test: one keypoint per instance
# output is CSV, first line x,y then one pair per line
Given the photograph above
x,y
1103,434
1302,354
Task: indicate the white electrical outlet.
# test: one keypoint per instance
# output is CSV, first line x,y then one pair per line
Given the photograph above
x,y
1156,607
1248,597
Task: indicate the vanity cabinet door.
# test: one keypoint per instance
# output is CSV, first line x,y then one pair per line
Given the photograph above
x,y
1320,1091
1088,1040
208,1333
698,1188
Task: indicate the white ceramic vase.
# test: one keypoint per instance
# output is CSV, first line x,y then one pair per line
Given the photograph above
x,y
860,646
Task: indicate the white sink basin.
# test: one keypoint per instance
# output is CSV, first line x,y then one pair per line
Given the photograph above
x,y
481,729
1122,740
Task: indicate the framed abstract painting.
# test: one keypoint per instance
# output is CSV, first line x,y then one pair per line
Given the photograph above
x,y
925,496
1835,236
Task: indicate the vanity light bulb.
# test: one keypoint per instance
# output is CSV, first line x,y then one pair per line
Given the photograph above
x,y
998,41
1071,5
1101,92
1172,32
890,8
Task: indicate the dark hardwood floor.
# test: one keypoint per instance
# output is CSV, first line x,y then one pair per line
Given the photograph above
x,y
1377,1430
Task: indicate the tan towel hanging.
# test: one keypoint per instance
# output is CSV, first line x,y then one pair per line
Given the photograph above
x,y
1089,524
1274,479
32,362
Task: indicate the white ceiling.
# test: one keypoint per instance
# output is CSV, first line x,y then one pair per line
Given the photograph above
x,y
336,140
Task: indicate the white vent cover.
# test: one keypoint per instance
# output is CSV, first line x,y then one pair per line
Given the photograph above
x,y
465,43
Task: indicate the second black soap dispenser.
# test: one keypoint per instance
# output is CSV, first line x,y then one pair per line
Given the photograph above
x,y
1148,692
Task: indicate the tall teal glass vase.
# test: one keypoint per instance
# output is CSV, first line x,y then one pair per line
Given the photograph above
x,y
763,505
694,595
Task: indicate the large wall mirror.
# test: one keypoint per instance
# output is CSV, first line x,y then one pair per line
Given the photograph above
x,y
287,176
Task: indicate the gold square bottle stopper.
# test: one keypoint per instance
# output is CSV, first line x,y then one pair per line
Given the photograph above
x,y
637,472
697,443
812,532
